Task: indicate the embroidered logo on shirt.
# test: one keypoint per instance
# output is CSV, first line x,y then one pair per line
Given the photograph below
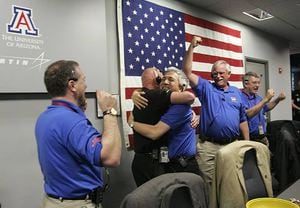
x,y
95,141
233,99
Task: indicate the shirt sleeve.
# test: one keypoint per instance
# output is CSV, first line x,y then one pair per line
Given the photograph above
x,y
84,142
177,115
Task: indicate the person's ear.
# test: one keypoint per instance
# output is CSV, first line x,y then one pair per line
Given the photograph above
x,y
71,85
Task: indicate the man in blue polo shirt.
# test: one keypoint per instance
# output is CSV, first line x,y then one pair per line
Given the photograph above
x,y
181,149
257,106
71,151
222,118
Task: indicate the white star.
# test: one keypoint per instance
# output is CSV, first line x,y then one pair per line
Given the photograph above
x,y
136,27
165,55
176,51
152,39
170,62
153,53
168,35
175,37
158,47
171,29
130,50
157,18
137,59
142,52
176,64
173,57
157,32
161,12
180,45
146,30
180,32
140,6
147,60
180,19
142,37
147,45
151,9
159,61
169,49
180,58
130,66
141,21
128,19
146,15
167,21
129,35
134,12
175,23
172,42
171,15
164,40
152,24
128,3
137,43
143,67
162,26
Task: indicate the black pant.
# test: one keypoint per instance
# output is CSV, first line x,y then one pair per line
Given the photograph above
x,y
144,168
191,167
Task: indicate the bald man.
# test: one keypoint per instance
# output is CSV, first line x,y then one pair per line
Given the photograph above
x,y
146,163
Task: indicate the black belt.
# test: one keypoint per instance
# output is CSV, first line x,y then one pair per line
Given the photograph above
x,y
96,196
219,141
257,137
153,155
186,158
83,197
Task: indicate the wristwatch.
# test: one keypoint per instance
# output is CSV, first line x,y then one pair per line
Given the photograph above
x,y
111,111
131,125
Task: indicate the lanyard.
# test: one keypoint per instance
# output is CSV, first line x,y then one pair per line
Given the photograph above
x,y
59,103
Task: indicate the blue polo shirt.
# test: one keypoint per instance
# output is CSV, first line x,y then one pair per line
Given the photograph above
x,y
182,137
69,151
258,120
222,110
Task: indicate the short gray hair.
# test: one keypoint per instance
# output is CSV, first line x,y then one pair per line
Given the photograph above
x,y
183,80
220,62
247,76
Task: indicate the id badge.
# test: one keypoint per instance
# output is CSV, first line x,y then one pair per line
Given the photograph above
x,y
260,130
163,155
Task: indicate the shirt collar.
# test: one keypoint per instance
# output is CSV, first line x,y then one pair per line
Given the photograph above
x,y
250,97
69,105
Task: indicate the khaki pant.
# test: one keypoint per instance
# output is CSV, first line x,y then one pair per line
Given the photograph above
x,y
206,153
50,202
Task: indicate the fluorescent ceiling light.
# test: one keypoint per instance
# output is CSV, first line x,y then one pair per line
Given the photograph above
x,y
258,14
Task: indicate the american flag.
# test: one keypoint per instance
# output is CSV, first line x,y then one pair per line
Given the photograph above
x,y
154,35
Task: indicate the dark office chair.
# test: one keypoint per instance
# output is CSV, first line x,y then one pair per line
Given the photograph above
x,y
284,137
172,190
242,172
253,179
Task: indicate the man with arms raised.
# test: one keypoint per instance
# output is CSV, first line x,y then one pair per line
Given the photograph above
x,y
222,118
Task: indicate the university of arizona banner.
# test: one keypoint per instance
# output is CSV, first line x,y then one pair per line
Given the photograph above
x,y
154,35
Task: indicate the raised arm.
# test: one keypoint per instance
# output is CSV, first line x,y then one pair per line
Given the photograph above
x,y
153,132
111,137
274,102
188,61
255,109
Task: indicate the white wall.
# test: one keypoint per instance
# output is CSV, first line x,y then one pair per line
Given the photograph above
x,y
21,182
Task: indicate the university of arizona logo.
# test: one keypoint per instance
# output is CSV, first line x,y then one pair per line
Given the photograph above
x,y
21,22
